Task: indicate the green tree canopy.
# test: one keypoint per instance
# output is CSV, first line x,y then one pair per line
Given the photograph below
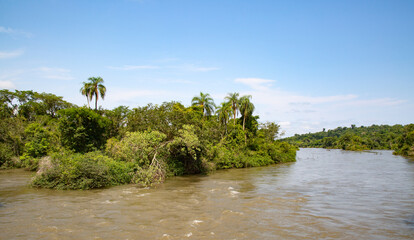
x,y
93,88
233,99
204,101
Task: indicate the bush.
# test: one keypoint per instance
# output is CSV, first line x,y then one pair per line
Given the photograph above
x,y
282,152
137,147
6,154
77,171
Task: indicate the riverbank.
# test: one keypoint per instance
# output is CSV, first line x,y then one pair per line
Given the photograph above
x,y
398,138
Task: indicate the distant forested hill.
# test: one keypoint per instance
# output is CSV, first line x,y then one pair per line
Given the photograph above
x,y
398,137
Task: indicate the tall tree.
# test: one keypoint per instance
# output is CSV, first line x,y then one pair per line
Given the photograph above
x,y
97,88
206,102
233,99
86,91
246,108
224,111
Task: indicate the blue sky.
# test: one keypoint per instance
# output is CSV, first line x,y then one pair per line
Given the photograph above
x,y
307,64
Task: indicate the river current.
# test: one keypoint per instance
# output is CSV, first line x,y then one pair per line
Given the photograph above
x,y
326,194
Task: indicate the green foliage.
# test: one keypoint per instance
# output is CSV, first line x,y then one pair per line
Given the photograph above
x,y
185,151
235,136
136,147
154,174
39,141
12,135
353,138
281,152
270,130
167,118
142,146
82,171
205,102
82,129
118,117
405,142
18,110
93,88
6,154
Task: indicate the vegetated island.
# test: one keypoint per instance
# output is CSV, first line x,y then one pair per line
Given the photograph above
x,y
74,147
381,137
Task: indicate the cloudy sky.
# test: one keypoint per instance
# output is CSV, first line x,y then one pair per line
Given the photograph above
x,y
308,65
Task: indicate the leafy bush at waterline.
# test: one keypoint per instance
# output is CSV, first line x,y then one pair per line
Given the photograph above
x,y
81,171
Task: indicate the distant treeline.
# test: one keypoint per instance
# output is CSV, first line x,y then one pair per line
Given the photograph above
x,y
398,138
74,147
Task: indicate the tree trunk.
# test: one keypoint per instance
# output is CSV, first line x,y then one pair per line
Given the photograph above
x,y
234,110
96,101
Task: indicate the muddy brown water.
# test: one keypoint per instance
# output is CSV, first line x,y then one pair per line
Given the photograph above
x,y
326,194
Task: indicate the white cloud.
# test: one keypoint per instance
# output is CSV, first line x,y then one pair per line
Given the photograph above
x,y
376,102
11,54
133,67
7,85
298,113
256,83
285,124
14,32
55,73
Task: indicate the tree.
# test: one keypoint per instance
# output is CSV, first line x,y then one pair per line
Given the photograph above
x,y
224,111
82,129
270,130
204,101
233,99
86,91
246,108
94,88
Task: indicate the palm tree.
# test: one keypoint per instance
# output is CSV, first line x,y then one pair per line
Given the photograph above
x,y
233,99
96,89
204,101
224,111
246,108
86,90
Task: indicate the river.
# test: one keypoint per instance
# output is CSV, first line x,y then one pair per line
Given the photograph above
x,y
326,194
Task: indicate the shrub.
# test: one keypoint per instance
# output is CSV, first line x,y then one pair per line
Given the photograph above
x,y
6,154
281,152
77,171
137,147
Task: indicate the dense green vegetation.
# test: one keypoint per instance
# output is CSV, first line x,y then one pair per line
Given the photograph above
x,y
399,138
74,147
